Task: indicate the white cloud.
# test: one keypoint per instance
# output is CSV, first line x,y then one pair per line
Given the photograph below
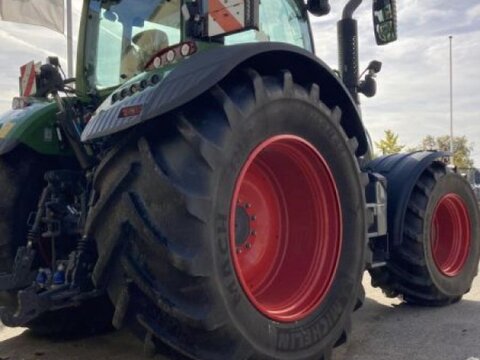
x,y
474,13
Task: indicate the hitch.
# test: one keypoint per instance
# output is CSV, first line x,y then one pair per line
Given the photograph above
x,y
36,299
41,294
32,303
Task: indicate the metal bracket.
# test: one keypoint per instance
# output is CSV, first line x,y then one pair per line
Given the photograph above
x,y
378,243
32,303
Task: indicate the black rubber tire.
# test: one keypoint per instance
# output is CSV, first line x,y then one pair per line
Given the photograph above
x,y
411,272
22,180
160,224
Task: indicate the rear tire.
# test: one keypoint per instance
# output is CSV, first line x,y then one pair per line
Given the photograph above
x,y
438,258
22,181
166,214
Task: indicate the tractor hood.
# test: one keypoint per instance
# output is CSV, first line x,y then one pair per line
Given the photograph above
x,y
13,117
33,125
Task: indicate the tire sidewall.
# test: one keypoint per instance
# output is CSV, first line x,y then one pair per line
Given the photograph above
x,y
460,284
318,331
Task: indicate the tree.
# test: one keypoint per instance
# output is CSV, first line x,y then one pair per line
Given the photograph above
x,y
462,149
389,144
429,143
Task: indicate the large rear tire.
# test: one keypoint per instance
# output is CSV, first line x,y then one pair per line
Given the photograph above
x,y
22,180
234,228
438,258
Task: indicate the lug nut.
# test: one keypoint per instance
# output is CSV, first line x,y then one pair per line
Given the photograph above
x,y
248,245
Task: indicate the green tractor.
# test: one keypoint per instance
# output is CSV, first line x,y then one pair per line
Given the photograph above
x,y
211,178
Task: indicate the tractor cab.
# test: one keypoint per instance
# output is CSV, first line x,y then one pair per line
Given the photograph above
x,y
125,38
122,39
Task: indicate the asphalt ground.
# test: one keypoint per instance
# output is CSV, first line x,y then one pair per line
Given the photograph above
x,y
384,329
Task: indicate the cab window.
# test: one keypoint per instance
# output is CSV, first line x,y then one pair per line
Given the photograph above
x,y
129,33
280,20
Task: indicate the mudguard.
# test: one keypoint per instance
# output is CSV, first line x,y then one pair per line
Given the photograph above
x,y
33,126
402,171
192,77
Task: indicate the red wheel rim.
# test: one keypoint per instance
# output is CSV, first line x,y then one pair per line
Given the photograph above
x,y
450,235
285,228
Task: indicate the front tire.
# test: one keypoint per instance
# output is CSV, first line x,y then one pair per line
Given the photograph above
x,y
239,225
438,259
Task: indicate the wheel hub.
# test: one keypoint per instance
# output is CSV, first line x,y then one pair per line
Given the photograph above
x,y
244,230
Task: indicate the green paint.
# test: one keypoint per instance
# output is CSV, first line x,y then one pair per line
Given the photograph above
x,y
33,126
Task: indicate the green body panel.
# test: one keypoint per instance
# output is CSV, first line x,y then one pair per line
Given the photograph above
x,y
33,126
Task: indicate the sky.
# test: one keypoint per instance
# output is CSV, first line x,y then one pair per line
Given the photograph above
x,y
413,96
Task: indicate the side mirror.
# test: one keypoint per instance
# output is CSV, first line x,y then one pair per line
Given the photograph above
x,y
385,21
318,7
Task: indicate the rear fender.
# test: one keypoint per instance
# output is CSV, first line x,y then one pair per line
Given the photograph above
x,y
194,76
33,126
402,172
